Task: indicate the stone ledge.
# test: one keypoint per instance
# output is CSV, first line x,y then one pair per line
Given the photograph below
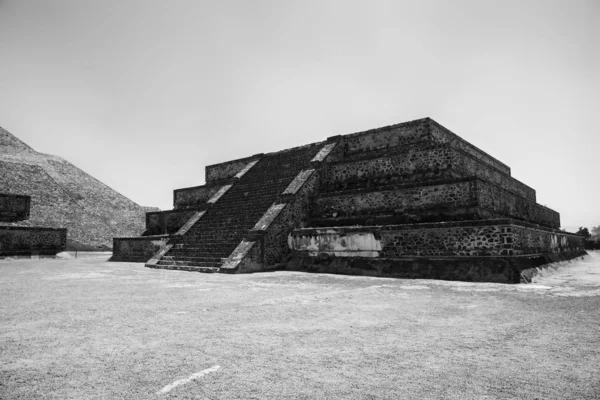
x,y
438,225
508,270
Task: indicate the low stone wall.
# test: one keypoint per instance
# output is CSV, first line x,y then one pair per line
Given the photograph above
x,y
227,170
14,207
463,196
490,251
388,136
193,197
441,134
137,249
469,238
400,200
501,201
470,269
166,222
26,241
411,132
416,162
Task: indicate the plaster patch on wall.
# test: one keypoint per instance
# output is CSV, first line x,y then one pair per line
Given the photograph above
x,y
324,152
246,168
219,193
238,255
298,181
359,244
190,222
267,219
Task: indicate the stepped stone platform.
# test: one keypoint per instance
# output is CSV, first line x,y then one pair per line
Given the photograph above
x,y
26,240
408,200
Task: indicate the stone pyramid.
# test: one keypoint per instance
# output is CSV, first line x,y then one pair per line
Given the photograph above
x,y
408,200
63,196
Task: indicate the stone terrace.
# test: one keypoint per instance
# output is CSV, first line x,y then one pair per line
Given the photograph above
x,y
337,206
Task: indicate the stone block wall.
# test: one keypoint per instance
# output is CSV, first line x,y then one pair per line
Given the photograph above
x,y
452,239
193,197
390,136
469,198
531,241
412,132
443,135
405,198
470,166
14,207
166,222
415,162
294,215
25,241
137,249
227,170
502,201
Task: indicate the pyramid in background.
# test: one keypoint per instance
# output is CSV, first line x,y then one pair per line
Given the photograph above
x,y
63,196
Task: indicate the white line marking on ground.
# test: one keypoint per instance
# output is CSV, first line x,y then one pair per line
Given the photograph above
x,y
190,378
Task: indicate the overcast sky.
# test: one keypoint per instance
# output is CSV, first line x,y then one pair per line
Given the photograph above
x,y
143,94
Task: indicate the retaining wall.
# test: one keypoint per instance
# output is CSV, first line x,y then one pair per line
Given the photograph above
x,y
447,200
25,241
193,197
166,222
469,238
416,162
137,249
411,132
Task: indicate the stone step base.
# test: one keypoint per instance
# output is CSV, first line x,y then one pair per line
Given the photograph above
x,y
190,259
180,263
187,268
502,269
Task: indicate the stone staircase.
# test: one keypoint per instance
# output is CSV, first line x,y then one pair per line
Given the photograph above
x,y
208,243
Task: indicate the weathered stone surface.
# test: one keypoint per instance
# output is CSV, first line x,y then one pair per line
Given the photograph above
x,y
193,197
502,237
166,222
417,163
466,198
409,200
27,241
298,181
229,169
138,249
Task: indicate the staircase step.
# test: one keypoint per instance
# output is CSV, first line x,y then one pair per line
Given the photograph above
x,y
226,223
189,268
169,258
188,263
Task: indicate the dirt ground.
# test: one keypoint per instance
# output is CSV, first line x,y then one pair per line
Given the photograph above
x,y
89,329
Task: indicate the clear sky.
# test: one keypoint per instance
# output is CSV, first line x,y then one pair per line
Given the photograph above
x,y
143,94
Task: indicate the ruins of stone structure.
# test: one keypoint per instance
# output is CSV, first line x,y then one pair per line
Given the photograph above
x,y
63,196
409,200
26,240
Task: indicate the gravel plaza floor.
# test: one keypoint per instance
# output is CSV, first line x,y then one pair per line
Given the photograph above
x,y
89,329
